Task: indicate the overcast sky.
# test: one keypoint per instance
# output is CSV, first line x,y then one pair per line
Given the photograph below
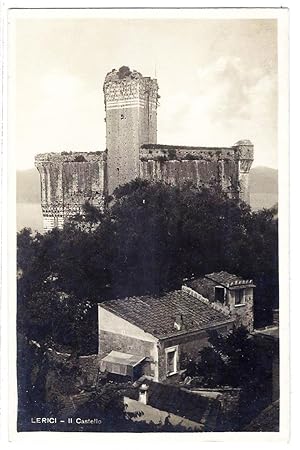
x,y
217,81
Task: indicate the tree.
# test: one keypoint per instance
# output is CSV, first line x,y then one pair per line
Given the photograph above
x,y
236,360
150,237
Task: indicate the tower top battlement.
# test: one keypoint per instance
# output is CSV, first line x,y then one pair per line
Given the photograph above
x,y
124,84
70,157
124,73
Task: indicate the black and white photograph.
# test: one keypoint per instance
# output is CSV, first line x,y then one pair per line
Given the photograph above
x,y
149,188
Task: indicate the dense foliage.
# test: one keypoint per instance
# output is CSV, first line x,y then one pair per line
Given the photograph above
x,y
236,360
149,239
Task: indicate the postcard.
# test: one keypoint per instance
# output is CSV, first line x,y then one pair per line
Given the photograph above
x,y
147,156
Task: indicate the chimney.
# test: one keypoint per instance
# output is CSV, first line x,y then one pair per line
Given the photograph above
x,y
143,393
178,323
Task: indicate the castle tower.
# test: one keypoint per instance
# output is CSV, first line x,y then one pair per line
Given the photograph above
x,y
131,120
245,156
68,180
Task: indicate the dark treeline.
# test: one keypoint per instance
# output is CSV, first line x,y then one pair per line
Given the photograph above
x,y
149,239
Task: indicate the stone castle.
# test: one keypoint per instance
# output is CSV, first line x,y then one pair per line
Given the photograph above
x,y
68,180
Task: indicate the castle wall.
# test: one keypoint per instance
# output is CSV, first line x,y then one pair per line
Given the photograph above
x,y
68,180
200,165
227,167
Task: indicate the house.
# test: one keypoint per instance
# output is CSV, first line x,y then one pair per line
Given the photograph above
x,y
164,405
151,335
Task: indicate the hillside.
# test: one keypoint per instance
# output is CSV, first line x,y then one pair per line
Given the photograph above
x,y
263,194
263,180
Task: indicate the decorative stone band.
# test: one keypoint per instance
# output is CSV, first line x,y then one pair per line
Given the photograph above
x,y
51,222
132,87
128,103
200,297
64,209
121,104
243,283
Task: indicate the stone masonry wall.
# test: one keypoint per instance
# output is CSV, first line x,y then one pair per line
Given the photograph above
x,y
227,167
202,166
243,313
131,120
68,180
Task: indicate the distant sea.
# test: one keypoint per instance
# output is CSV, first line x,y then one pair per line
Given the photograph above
x,y
29,215
263,200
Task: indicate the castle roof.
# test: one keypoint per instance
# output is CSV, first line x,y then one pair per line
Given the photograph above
x,y
156,315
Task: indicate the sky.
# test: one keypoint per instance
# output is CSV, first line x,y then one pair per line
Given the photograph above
x,y
217,81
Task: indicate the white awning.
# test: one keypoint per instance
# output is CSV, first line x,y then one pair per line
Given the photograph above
x,y
120,363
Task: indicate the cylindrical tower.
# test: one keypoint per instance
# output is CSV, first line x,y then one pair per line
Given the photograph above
x,y
245,156
131,120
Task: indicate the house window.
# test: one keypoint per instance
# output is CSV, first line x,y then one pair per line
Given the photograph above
x,y
171,360
239,296
219,294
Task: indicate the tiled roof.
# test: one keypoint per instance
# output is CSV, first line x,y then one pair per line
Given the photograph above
x,y
183,403
156,315
201,285
228,280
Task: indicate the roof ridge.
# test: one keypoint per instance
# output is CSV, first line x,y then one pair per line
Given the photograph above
x,y
156,315
204,300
